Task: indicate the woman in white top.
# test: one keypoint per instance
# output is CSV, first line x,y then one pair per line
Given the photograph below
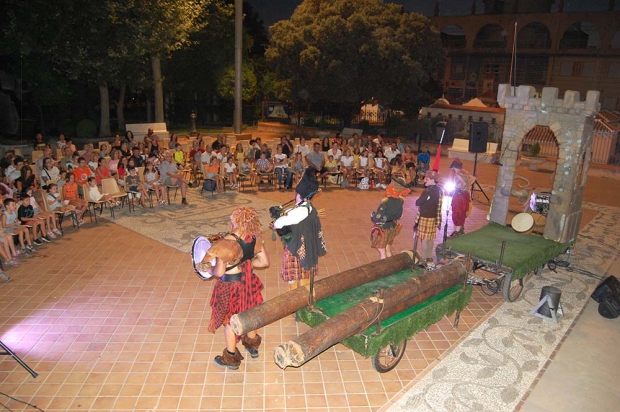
x,y
346,165
302,147
364,164
381,166
281,162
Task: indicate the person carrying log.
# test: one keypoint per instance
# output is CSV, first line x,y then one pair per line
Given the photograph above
x,y
237,288
301,232
386,217
429,215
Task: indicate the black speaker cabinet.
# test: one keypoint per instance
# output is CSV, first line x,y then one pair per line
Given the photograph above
x,y
607,294
478,135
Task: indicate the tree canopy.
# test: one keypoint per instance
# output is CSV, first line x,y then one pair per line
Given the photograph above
x,y
349,51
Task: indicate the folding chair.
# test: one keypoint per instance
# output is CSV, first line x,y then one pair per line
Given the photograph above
x,y
94,203
110,186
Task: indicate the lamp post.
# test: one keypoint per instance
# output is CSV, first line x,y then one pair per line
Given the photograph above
x,y
238,61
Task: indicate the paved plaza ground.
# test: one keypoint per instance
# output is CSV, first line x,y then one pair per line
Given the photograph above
x,y
113,319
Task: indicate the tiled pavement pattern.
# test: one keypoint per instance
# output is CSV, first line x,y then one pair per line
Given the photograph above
x,y
113,320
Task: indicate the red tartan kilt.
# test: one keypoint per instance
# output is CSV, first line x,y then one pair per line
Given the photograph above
x,y
379,239
292,270
230,298
460,203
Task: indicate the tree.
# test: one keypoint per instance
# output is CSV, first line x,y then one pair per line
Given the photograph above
x,y
349,51
159,27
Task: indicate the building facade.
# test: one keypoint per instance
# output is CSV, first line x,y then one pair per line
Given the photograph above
x,y
577,51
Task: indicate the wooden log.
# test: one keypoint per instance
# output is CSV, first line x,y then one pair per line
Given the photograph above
x,y
361,316
290,302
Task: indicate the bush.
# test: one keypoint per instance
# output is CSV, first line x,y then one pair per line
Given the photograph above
x,y
86,129
534,150
67,127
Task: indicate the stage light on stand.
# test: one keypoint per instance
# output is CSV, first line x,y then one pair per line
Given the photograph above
x,y
449,187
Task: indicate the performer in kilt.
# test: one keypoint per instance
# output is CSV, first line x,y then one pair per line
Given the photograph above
x,y
429,215
386,217
460,199
301,232
237,288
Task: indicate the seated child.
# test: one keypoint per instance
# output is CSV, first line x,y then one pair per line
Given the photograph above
x,y
53,200
25,214
133,184
50,217
95,195
70,194
332,168
231,170
12,226
246,170
297,166
151,177
212,171
8,252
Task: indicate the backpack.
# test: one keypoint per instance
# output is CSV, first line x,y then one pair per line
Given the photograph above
x,y
209,185
363,184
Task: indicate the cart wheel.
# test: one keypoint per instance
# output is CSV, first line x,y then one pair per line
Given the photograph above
x,y
492,287
387,358
512,288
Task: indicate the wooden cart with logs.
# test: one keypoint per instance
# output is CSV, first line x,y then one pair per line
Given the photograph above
x,y
372,309
508,256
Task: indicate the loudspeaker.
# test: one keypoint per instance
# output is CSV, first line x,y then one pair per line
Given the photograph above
x,y
607,294
478,135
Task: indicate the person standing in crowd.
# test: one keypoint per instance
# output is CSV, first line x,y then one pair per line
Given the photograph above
x,y
237,288
301,232
460,199
429,215
386,217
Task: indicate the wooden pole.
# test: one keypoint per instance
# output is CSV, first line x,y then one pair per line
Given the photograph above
x,y
290,302
359,317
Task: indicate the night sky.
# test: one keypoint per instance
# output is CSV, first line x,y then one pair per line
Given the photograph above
x,y
271,11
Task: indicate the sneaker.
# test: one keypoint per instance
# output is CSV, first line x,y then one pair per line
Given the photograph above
x,y
37,242
58,232
46,239
12,263
18,251
184,202
51,235
80,221
28,251
4,276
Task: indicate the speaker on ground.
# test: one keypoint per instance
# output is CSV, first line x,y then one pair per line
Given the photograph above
x,y
607,294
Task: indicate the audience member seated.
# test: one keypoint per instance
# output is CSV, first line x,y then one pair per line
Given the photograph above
x,y
297,166
302,147
97,196
212,172
363,166
26,180
39,143
103,171
136,156
49,173
346,165
67,158
316,159
179,155
281,167
397,167
70,193
332,169
104,150
246,170
153,182
134,184
230,168
47,152
48,217
25,214
409,161
171,176
381,168
83,172
12,226
335,152
116,144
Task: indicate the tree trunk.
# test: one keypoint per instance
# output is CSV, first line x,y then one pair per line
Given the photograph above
x,y
370,310
120,107
159,90
104,126
289,302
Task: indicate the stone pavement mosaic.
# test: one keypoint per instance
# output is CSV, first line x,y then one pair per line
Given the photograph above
x,y
205,215
493,367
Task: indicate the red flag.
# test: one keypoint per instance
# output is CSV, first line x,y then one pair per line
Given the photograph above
x,y
437,158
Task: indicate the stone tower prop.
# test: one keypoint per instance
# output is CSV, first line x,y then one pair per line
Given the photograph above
x,y
572,122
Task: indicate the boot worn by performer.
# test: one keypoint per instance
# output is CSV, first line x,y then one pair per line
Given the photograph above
x,y
252,344
229,360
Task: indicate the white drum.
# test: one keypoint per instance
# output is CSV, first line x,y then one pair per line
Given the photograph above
x,y
522,222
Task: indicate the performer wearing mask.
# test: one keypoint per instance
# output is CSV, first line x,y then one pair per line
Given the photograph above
x,y
386,217
429,215
460,199
304,242
237,288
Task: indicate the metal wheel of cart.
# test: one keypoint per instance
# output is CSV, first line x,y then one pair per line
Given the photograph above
x,y
387,358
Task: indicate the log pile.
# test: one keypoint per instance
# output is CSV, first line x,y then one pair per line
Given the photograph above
x,y
370,310
290,302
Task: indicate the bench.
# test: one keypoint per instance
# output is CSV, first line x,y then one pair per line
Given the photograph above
x,y
140,130
460,149
348,132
